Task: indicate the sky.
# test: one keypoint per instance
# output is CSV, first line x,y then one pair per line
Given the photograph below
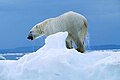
x,y
17,17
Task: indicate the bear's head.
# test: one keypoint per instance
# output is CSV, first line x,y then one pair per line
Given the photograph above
x,y
35,32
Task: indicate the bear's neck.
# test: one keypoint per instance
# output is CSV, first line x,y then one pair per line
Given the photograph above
x,y
52,27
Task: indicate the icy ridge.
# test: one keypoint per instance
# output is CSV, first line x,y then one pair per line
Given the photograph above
x,y
55,62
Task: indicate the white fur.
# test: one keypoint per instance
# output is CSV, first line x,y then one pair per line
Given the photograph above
x,y
75,24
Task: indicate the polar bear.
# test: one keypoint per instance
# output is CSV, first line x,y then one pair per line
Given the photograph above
x,y
74,23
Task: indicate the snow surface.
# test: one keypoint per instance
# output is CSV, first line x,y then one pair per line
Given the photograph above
x,y
55,62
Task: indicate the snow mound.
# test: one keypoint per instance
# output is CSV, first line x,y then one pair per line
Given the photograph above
x,y
55,62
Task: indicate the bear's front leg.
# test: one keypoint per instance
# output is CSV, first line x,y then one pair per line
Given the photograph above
x,y
79,44
69,42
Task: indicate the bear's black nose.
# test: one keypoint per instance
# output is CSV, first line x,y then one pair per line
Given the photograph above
x,y
30,37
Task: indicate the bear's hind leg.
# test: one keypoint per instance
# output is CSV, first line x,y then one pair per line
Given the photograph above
x,y
80,48
79,44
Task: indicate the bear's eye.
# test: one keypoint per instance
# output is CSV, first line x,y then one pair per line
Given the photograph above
x,y
31,31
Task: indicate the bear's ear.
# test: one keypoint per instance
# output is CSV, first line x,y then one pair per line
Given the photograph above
x,y
37,26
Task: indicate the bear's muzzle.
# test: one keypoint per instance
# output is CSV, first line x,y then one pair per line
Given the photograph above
x,y
30,37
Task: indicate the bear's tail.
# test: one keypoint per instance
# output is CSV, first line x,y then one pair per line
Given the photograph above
x,y
87,41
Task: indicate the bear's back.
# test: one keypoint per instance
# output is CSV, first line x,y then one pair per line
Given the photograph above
x,y
71,21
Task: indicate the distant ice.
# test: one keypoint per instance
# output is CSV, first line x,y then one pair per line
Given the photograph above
x,y
55,62
2,58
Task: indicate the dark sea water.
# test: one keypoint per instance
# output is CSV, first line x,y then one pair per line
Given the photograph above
x,y
15,54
